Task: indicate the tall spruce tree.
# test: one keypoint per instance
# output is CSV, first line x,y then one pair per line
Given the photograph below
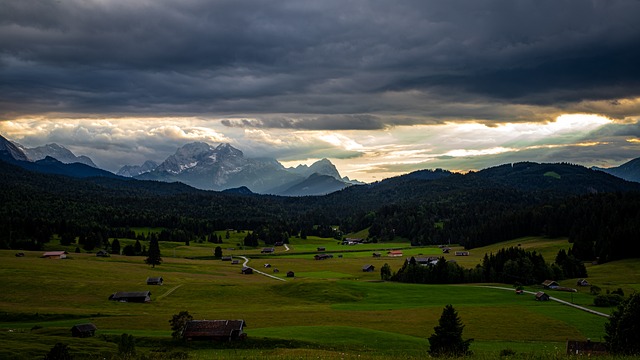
x,y
115,247
153,255
623,328
178,323
447,339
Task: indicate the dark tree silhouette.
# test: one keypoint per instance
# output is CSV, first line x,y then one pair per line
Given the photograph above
x,y
115,247
623,328
217,252
385,272
447,339
153,257
59,351
127,345
178,322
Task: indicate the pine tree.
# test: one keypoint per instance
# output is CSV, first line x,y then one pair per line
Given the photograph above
x,y
115,247
153,258
623,328
59,351
447,339
178,322
127,345
385,272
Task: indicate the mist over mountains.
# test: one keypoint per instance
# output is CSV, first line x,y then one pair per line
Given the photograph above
x,y
197,164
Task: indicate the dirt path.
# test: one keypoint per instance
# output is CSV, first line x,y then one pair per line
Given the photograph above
x,y
555,299
169,292
246,261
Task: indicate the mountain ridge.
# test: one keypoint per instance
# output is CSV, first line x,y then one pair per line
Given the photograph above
x,y
224,167
629,171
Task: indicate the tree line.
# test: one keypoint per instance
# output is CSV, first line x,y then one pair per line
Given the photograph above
x,y
510,266
427,207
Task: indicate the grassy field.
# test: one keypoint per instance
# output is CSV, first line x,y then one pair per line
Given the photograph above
x,y
330,309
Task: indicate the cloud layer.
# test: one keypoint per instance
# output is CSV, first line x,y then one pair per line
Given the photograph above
x,y
354,59
301,79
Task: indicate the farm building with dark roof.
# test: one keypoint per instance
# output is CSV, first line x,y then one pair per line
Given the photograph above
x,y
214,330
83,330
542,296
368,268
133,296
155,280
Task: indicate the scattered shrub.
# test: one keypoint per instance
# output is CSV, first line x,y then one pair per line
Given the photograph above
x,y
507,352
607,300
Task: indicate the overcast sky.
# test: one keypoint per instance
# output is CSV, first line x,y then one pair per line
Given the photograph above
x,y
378,87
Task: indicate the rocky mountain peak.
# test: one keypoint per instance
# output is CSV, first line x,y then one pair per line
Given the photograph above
x,y
321,167
8,148
59,153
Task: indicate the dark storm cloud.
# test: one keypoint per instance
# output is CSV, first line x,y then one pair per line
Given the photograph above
x,y
432,59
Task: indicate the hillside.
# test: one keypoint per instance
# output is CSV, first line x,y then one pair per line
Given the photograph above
x,y
307,315
629,171
426,207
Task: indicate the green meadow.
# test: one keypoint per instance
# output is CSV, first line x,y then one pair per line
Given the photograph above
x,y
329,309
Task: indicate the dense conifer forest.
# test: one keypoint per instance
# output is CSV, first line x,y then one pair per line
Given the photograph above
x,y
598,212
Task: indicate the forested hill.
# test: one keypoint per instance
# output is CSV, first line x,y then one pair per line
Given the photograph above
x,y
426,207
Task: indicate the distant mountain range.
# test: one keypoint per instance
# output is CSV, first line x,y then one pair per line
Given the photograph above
x,y
57,152
196,164
629,171
224,167
44,159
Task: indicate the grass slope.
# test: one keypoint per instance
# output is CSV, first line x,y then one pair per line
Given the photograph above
x,y
330,307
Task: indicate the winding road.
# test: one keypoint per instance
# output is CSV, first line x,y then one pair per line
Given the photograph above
x,y
555,299
246,261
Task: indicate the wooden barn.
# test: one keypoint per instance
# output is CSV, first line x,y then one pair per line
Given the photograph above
x,y
395,253
542,296
247,270
102,253
368,268
83,330
155,280
290,274
132,296
214,330
269,250
55,255
426,261
550,284
322,256
582,282
462,253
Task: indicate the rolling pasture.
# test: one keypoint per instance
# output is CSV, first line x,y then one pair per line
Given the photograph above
x,y
330,309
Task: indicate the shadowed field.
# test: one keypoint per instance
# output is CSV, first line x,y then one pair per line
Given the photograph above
x,y
330,305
